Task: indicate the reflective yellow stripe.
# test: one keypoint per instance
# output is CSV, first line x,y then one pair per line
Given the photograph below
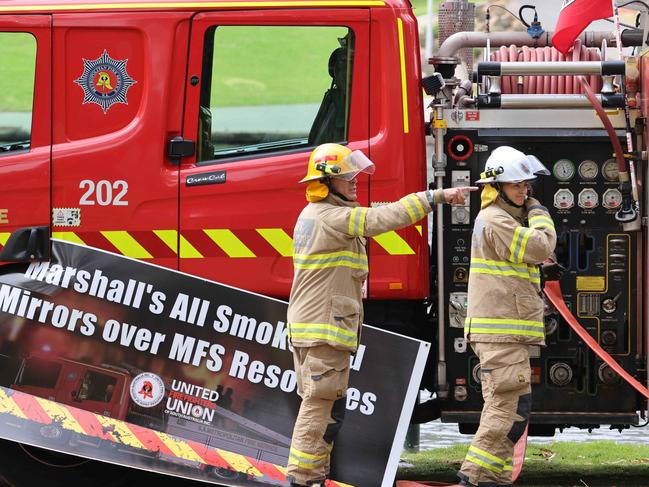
x,y
344,253
279,239
68,237
479,270
229,242
361,222
179,447
414,207
487,455
484,459
126,244
170,238
419,229
7,405
306,461
513,246
4,236
394,244
472,459
351,265
540,221
504,268
519,241
356,225
308,456
526,236
504,326
343,258
239,463
404,89
159,5
60,414
323,331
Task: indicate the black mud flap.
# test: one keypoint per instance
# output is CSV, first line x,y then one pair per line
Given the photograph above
x,y
27,244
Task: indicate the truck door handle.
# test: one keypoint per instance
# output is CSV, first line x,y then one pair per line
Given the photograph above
x,y
180,147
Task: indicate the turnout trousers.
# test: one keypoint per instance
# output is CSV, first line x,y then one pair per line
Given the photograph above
x,y
322,377
505,376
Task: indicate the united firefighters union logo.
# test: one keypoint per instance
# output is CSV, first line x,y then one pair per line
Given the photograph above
x,y
105,81
147,390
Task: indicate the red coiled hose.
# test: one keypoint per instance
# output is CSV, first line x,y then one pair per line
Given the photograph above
x,y
546,84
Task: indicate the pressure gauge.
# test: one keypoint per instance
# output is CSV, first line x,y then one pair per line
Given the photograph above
x,y
611,199
610,170
588,170
564,199
588,198
563,170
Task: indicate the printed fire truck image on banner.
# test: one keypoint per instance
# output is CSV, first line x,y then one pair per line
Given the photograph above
x,y
110,358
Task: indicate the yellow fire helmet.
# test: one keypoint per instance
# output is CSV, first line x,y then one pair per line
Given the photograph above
x,y
337,161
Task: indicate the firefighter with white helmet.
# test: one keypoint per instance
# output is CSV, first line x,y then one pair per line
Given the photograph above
x,y
325,306
512,235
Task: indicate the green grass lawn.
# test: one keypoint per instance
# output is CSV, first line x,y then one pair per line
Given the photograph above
x,y
560,464
272,65
17,58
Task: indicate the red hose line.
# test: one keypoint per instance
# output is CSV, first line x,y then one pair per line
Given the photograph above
x,y
552,290
615,141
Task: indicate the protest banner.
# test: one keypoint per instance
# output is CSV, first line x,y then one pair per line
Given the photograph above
x,y
115,359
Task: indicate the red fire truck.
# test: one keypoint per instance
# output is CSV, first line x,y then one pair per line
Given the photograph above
x,y
148,138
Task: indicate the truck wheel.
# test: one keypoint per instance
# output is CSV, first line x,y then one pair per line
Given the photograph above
x,y
224,473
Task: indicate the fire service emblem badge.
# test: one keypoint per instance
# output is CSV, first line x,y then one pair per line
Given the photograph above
x,y
105,81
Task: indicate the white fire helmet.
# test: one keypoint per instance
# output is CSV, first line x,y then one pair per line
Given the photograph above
x,y
508,165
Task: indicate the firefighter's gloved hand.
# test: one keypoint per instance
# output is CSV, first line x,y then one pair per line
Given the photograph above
x,y
552,271
457,196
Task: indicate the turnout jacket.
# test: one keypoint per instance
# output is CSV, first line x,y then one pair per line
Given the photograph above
x,y
330,264
504,303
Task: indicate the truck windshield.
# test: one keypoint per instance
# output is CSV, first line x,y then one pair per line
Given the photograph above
x,y
38,372
17,73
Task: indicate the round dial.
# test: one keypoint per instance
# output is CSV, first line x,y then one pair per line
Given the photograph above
x,y
588,198
460,215
610,171
611,199
588,170
564,199
563,170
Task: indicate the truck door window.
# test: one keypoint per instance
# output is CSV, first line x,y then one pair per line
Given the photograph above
x,y
37,372
96,387
273,88
17,72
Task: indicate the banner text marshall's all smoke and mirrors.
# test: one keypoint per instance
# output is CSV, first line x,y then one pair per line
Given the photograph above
x,y
183,347
220,355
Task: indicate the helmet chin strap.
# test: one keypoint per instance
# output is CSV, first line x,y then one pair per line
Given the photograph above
x,y
327,181
506,199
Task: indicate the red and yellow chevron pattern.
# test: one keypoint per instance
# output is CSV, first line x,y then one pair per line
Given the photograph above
x,y
218,242
43,411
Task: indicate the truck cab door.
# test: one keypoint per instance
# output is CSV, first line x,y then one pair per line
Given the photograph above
x,y
264,87
118,81
25,140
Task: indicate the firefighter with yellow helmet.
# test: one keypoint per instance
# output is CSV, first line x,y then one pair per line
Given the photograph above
x,y
512,235
325,306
